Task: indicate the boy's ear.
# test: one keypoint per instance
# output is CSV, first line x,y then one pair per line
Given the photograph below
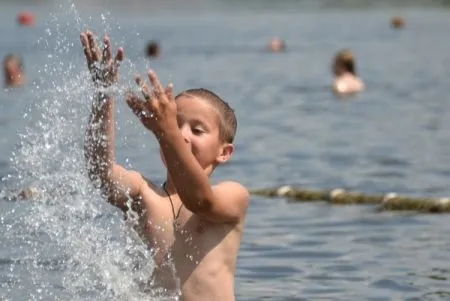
x,y
226,151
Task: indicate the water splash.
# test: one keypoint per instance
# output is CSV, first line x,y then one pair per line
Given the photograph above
x,y
76,246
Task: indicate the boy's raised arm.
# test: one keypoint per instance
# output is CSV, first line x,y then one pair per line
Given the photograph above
x,y
115,181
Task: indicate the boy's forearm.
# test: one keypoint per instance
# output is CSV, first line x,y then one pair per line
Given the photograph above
x,y
190,180
99,140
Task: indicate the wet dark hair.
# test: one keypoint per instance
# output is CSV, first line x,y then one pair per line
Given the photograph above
x,y
346,61
153,49
228,121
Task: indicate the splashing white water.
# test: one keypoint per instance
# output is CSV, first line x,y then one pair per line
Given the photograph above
x,y
69,230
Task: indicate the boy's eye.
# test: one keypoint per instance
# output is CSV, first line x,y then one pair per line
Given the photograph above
x,y
197,131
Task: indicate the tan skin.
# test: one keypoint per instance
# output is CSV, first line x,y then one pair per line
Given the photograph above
x,y
200,225
14,76
345,82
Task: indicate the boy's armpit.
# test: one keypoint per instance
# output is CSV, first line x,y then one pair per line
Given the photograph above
x,y
230,203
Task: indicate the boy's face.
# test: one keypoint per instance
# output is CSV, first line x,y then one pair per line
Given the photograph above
x,y
199,123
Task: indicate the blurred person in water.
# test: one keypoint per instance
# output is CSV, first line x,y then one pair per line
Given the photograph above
x,y
276,44
397,22
153,49
193,227
346,80
13,71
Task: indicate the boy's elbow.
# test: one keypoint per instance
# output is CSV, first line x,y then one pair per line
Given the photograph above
x,y
218,214
109,190
199,206
199,203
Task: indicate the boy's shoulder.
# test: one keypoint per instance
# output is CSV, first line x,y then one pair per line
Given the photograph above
x,y
229,203
229,184
152,186
232,191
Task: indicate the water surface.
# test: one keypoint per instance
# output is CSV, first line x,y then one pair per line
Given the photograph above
x,y
392,138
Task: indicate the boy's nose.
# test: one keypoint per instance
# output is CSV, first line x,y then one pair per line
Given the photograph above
x,y
186,133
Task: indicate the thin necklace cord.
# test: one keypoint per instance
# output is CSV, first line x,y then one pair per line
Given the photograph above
x,y
175,217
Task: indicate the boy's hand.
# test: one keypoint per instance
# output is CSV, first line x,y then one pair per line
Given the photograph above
x,y
158,110
104,70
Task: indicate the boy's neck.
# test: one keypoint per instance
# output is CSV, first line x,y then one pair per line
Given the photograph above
x,y
169,186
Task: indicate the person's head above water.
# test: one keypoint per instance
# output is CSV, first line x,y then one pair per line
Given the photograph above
x,y
153,49
344,62
208,125
227,121
346,80
276,44
397,22
13,71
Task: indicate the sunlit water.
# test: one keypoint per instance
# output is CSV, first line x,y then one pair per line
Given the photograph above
x,y
70,244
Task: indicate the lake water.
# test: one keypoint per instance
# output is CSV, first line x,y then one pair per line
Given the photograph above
x,y
71,245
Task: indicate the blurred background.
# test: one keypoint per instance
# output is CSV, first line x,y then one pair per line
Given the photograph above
x,y
391,137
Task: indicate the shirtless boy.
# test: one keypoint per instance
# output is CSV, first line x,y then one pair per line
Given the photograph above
x,y
197,224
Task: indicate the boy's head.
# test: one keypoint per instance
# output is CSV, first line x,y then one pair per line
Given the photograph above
x,y
208,125
227,118
344,62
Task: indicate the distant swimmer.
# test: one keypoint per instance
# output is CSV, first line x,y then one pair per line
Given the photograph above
x,y
30,193
13,71
26,18
397,22
153,49
344,69
276,44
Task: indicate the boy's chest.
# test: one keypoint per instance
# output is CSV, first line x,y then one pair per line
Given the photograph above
x,y
169,222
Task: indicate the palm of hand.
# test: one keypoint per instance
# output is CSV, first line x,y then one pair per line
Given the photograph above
x,y
155,119
104,74
157,111
103,68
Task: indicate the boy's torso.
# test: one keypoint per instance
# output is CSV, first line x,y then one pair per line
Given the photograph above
x,y
204,253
